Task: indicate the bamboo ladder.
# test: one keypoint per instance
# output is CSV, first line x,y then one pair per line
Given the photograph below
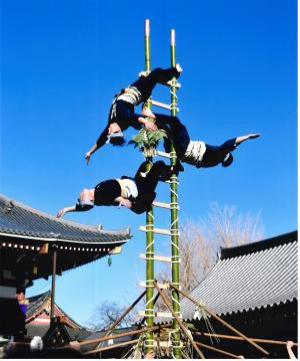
x,y
149,229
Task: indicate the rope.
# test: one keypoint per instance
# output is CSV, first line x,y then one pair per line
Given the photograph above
x,y
176,344
149,283
174,93
178,304
175,259
172,191
152,218
175,245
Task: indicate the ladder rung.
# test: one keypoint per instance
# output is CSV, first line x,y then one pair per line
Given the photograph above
x,y
161,105
166,232
164,286
162,154
157,258
158,314
164,344
161,205
169,182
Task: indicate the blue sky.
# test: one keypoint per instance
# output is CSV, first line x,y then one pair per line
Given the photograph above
x,y
62,62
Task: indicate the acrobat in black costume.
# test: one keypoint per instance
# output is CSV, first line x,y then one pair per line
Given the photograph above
x,y
197,153
136,193
122,115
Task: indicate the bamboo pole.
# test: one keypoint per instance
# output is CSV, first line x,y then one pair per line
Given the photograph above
x,y
174,213
121,344
180,324
238,338
149,311
217,350
224,323
154,302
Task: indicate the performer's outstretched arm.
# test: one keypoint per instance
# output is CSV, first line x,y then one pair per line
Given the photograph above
x,y
100,142
77,208
243,138
65,210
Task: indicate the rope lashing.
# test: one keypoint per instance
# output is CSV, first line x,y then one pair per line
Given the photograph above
x,y
175,193
149,246
149,283
175,231
178,303
149,311
152,216
149,342
149,301
173,225
175,259
149,227
174,93
176,344
175,246
174,205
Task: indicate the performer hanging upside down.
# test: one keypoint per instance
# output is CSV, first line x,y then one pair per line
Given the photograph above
x,y
136,193
122,116
196,153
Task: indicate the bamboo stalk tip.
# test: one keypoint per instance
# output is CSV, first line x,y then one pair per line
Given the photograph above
x,y
173,37
147,27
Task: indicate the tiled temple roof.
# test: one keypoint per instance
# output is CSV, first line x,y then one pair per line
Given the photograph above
x,y
249,277
18,220
28,238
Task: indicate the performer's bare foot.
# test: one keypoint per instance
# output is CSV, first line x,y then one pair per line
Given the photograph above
x,y
144,74
178,68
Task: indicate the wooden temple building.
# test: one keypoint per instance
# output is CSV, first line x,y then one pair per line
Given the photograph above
x,y
35,245
38,319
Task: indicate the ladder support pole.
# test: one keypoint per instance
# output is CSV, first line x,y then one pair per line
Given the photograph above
x,y
174,217
149,312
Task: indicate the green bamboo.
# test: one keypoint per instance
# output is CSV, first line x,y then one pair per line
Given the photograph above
x,y
149,312
174,216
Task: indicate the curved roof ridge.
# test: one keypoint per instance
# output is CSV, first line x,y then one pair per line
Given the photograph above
x,y
258,246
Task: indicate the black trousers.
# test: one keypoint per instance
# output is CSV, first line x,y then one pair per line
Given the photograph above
x,y
176,132
122,112
157,76
146,185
